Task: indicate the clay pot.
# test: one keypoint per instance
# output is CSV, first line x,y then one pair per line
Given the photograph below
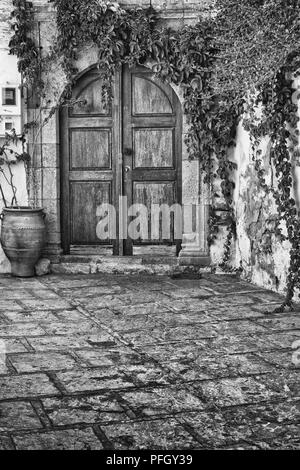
x,y
23,237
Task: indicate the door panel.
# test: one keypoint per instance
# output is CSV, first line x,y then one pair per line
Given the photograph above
x,y
151,149
160,224
148,98
86,196
89,98
90,148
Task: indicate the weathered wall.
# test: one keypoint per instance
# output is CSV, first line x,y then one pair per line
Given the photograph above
x,y
263,258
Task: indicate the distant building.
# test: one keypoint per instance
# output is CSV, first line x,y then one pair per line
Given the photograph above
x,y
10,79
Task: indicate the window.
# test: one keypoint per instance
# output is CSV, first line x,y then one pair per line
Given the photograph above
x,y
9,96
8,126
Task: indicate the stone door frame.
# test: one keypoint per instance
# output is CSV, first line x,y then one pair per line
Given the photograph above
x,y
45,148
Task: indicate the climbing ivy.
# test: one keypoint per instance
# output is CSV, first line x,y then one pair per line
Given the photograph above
x,y
120,37
280,118
24,47
233,65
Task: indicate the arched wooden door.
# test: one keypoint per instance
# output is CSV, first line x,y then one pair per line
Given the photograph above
x,y
128,154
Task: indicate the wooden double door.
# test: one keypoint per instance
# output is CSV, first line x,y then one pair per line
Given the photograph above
x,y
126,154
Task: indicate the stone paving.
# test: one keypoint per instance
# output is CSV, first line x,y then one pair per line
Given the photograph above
x,y
146,362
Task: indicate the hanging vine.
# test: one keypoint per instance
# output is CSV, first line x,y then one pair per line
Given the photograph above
x,y
280,116
22,44
228,64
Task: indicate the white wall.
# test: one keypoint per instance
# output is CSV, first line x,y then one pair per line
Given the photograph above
x,y
262,257
9,75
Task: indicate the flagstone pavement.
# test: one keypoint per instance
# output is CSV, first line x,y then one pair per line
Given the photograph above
x,y
146,362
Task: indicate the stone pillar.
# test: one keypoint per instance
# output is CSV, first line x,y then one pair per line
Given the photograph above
x,y
44,181
44,139
50,169
195,200
44,175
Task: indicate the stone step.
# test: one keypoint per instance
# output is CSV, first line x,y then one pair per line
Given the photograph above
x,y
145,259
76,264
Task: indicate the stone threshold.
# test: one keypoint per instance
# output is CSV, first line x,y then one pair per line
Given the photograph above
x,y
148,264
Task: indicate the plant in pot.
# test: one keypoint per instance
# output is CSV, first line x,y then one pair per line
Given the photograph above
x,y
23,231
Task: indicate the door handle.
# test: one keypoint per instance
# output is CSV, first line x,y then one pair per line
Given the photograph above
x,y
126,169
